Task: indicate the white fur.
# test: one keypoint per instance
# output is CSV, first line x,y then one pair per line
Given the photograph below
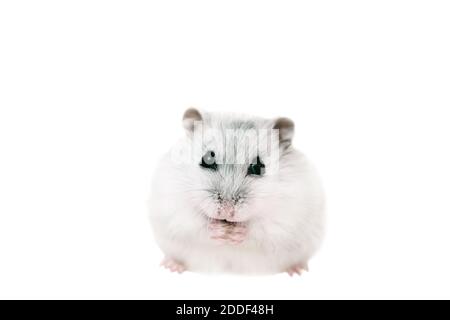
x,y
284,211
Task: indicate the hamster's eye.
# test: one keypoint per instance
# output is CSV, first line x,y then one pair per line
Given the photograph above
x,y
256,168
209,161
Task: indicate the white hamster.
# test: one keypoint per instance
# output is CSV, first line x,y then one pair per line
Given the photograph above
x,y
222,203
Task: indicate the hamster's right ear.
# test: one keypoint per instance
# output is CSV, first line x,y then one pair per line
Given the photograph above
x,y
190,116
286,129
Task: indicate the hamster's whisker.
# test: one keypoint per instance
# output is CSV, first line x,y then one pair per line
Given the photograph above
x,y
196,190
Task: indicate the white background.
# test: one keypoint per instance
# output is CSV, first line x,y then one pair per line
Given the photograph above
x,y
92,93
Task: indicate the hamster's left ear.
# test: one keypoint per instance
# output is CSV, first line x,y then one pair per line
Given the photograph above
x,y
285,127
190,116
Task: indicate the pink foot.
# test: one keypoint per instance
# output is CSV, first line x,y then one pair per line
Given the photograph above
x,y
173,265
297,269
227,232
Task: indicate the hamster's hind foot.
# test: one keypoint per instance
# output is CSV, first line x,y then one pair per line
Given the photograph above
x,y
297,269
173,265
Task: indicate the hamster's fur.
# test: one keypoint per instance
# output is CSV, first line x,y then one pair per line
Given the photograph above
x,y
225,220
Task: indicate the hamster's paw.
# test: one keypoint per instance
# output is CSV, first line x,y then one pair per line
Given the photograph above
x,y
173,265
297,269
227,232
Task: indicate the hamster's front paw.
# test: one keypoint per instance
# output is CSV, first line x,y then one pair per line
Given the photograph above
x,y
227,232
173,265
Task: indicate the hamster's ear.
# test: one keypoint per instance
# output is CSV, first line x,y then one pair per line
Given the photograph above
x,y
190,116
285,127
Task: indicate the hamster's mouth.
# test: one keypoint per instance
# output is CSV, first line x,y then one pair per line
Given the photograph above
x,y
230,220
220,220
224,220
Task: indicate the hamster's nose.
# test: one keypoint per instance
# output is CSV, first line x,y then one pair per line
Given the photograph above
x,y
226,209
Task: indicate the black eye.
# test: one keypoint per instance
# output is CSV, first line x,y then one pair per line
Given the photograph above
x,y
209,161
256,168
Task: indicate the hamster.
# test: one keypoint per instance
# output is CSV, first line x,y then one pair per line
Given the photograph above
x,y
263,214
